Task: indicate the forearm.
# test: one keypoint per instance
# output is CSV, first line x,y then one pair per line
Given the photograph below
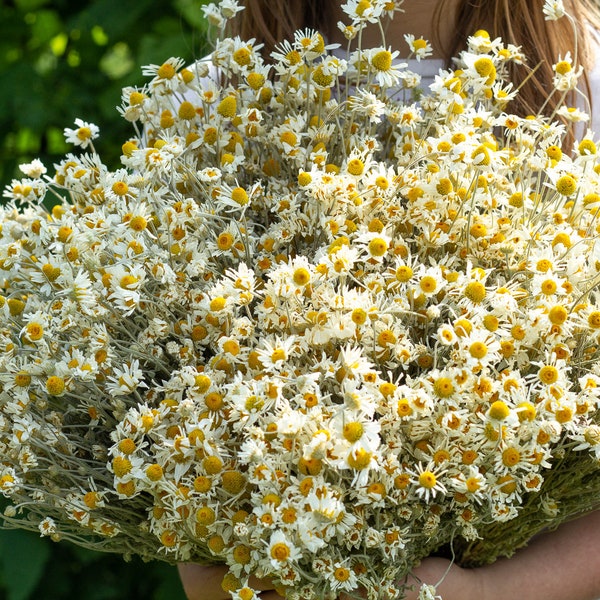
x,y
202,583
560,565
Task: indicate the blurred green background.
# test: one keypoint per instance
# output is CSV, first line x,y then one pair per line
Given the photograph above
x,y
62,59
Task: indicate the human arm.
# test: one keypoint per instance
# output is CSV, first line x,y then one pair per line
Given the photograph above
x,y
204,583
559,565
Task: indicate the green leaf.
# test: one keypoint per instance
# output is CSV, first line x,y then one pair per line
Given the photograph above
x,y
118,61
155,49
170,587
191,11
118,19
27,5
23,556
44,27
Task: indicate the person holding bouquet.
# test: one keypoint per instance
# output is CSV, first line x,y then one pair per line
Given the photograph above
x,y
334,322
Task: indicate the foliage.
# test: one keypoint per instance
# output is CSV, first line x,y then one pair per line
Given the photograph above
x,y
63,59
32,567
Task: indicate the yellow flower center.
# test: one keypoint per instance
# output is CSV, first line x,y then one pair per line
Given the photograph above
x,y
278,354
594,319
499,410
280,552
554,153
563,67
475,291
353,431
55,385
227,107
242,57
154,472
428,284
382,61
484,66
478,349
217,304
84,133
166,71
361,459
363,6
239,196
566,185
526,411
378,247
241,554
359,316
427,479
403,408
511,457
356,166
205,516
34,331
558,314
121,466
301,276
341,574
443,387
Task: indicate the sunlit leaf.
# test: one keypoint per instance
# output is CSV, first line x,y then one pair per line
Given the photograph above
x,y
118,61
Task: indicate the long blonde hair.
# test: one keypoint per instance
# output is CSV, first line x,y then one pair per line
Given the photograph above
x,y
520,22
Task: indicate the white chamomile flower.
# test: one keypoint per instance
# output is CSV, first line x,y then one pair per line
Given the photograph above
x,y
554,10
573,114
229,8
361,12
342,577
47,527
83,135
427,481
34,169
419,47
281,551
386,69
368,104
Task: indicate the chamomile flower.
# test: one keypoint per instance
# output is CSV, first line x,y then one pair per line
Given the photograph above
x,y
83,135
426,480
363,12
553,10
367,103
341,577
281,550
419,47
384,67
34,169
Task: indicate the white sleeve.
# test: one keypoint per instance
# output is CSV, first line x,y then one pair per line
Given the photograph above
x,y
594,84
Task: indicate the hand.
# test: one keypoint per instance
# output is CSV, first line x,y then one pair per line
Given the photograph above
x,y
451,581
204,583
559,565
